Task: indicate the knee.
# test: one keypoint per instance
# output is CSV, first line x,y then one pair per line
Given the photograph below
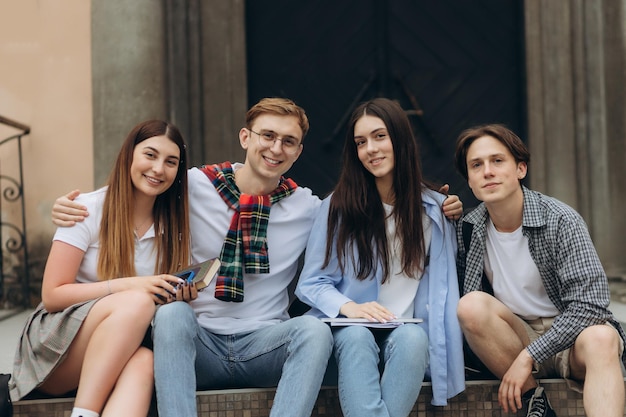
x,y
311,337
409,344
314,330
472,309
174,320
173,313
136,304
600,341
353,336
410,336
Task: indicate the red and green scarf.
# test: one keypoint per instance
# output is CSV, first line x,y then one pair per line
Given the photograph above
x,y
245,245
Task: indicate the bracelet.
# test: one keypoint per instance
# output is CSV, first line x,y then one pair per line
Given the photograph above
x,y
109,286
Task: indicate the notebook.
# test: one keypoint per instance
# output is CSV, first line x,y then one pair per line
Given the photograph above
x,y
200,274
344,321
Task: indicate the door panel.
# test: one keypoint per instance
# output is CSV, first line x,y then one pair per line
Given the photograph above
x,y
451,65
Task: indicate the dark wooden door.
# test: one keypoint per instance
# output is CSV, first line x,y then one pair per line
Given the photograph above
x,y
450,63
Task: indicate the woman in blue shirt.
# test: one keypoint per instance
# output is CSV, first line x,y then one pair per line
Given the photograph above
x,y
382,250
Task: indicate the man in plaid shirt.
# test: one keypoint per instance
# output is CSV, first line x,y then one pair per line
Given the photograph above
x,y
535,296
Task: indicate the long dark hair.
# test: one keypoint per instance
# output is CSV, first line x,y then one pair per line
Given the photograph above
x,y
357,215
170,211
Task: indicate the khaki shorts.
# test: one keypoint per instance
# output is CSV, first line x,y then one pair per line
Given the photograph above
x,y
557,365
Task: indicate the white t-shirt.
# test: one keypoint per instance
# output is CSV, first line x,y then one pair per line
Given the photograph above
x,y
85,236
397,294
266,298
514,276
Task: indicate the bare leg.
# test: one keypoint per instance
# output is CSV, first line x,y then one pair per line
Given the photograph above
x,y
595,359
493,332
133,390
109,337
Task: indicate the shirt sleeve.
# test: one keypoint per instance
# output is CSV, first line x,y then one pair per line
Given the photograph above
x,y
575,282
317,286
83,234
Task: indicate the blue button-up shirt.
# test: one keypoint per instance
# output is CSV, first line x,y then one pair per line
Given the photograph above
x,y
326,290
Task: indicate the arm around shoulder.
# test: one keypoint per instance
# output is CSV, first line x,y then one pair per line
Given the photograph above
x,y
66,212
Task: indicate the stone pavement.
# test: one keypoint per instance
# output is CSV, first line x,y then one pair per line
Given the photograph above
x,y
11,323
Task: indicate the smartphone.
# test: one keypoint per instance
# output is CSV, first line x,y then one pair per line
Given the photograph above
x,y
187,275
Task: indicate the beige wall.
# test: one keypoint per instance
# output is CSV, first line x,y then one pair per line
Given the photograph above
x,y
45,82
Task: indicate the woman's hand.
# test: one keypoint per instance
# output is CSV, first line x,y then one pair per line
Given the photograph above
x,y
370,310
163,287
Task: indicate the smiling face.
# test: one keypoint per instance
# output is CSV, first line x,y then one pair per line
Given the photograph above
x,y
268,164
374,147
155,165
493,173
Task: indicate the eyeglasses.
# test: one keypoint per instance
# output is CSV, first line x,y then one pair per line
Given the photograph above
x,y
267,138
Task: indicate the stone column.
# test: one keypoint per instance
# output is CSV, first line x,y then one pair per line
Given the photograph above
x,y
225,87
576,78
179,60
206,73
128,73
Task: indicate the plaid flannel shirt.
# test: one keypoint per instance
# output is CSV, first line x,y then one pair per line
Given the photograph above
x,y
571,271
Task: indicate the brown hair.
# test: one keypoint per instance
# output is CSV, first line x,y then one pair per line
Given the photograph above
x,y
497,131
171,215
280,107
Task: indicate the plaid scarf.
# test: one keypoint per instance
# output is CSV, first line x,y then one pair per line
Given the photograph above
x,y
245,245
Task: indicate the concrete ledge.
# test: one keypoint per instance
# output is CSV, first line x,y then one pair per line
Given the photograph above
x,y
480,399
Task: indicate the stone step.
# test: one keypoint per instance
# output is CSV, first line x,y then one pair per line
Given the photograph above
x,y
480,399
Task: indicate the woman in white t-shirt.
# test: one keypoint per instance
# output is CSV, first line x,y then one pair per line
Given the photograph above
x,y
100,291
381,250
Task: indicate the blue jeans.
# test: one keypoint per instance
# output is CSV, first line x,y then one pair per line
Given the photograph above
x,y
291,355
403,357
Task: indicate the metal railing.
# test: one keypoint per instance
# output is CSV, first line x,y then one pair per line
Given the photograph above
x,y
14,266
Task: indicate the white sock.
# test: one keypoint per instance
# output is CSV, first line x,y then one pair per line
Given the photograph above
x,y
81,412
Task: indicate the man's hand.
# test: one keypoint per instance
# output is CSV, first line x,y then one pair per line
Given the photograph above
x,y
510,392
452,206
66,212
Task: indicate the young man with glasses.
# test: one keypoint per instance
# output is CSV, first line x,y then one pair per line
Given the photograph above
x,y
535,296
237,332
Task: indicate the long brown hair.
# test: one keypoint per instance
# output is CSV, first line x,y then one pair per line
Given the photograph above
x,y
357,216
170,212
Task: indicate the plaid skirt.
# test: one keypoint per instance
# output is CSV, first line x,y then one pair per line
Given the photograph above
x,y
44,342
